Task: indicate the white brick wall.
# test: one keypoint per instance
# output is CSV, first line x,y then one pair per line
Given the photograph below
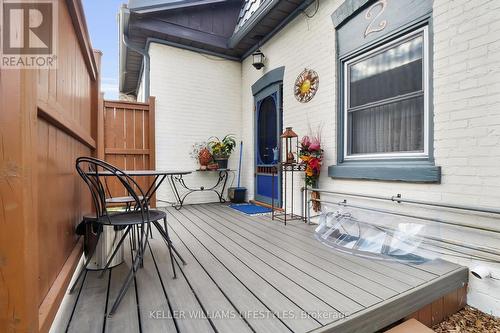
x,y
466,82
195,92
303,43
197,96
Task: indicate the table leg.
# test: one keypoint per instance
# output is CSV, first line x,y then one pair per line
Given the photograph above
x,y
222,175
154,187
173,187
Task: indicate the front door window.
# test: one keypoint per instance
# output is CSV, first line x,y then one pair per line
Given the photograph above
x,y
267,131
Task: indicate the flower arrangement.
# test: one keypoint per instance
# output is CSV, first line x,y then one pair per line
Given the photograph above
x,y
196,148
222,148
311,154
201,154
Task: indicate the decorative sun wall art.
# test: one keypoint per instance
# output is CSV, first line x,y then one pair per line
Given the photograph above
x,y
306,85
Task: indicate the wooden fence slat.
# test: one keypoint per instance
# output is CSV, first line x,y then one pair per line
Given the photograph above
x,y
120,151
126,105
100,127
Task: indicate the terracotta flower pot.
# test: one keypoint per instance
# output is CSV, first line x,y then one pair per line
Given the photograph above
x,y
204,157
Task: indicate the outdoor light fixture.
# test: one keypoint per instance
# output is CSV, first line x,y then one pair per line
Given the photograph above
x,y
290,151
258,59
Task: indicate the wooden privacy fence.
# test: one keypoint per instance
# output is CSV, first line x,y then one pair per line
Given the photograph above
x,y
128,139
47,119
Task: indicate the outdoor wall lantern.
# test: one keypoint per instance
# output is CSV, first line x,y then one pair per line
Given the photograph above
x,y
258,59
288,142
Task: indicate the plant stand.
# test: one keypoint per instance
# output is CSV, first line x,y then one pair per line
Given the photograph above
x,y
287,171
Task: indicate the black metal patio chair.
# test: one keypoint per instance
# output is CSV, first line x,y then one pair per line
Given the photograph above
x,y
126,202
92,171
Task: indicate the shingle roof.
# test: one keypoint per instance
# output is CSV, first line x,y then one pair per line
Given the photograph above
x,y
247,10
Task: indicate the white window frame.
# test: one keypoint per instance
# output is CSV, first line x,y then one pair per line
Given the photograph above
x,y
425,86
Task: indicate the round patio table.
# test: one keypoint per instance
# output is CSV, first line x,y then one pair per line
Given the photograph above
x,y
158,177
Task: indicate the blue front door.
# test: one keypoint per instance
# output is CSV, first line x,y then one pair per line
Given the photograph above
x,y
267,132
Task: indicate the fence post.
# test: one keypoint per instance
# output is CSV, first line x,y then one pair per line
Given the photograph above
x,y
152,144
100,127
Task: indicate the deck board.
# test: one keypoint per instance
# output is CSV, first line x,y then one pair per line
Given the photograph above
x,y
400,271
309,261
126,318
303,290
266,292
154,310
235,291
215,302
63,317
284,261
90,308
151,298
386,271
362,268
189,314
251,274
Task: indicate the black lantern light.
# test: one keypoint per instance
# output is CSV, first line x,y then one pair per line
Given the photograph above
x,y
258,59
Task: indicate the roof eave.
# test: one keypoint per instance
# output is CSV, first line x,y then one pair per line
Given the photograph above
x,y
171,6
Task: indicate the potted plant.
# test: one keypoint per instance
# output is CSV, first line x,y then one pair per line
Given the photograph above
x,y
222,149
201,154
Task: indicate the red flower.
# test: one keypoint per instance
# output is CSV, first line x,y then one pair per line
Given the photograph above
x,y
315,164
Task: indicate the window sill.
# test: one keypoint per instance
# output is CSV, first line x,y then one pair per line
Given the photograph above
x,y
407,172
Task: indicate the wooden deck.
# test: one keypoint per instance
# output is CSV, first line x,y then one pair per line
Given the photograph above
x,y
252,274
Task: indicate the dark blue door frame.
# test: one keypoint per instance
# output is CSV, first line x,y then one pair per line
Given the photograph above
x,y
267,130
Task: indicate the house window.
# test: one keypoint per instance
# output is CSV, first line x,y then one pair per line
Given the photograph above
x,y
386,111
